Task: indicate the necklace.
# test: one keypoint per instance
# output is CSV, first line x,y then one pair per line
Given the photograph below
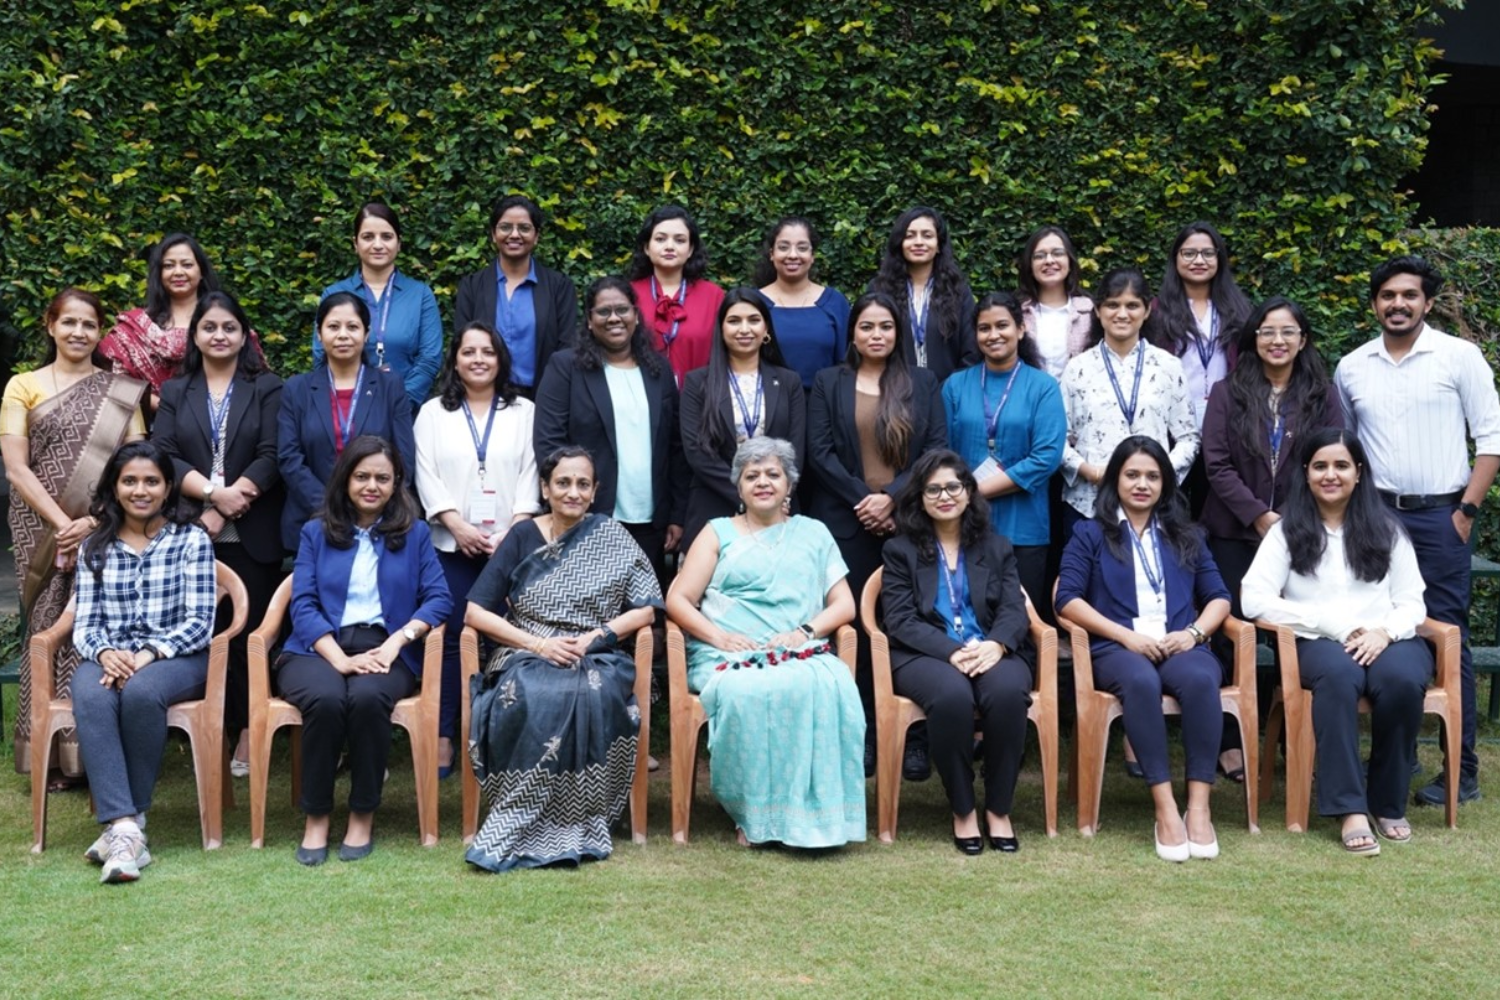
x,y
755,534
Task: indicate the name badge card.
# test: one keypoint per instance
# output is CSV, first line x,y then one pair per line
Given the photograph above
x,y
1152,626
988,469
482,509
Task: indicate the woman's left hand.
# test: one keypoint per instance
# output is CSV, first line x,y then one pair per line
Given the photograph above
x,y
1176,642
231,501
875,510
787,640
986,655
1365,644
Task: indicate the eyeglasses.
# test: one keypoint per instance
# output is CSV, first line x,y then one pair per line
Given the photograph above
x,y
1042,255
1285,333
519,228
934,490
1191,253
798,247
607,312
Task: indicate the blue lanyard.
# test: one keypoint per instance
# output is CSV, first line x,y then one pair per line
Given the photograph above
x,y
954,588
1154,578
670,335
1207,349
482,445
384,305
341,431
992,423
919,321
750,423
1277,435
217,418
1135,392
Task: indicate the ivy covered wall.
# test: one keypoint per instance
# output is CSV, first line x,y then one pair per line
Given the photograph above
x,y
262,127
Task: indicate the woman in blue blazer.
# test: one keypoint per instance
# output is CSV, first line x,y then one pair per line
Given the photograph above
x,y
1140,580
367,588
339,400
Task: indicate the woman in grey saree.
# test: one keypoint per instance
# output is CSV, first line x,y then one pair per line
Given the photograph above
x,y
554,719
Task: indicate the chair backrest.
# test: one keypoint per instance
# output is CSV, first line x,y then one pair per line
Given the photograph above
x,y
230,587
264,639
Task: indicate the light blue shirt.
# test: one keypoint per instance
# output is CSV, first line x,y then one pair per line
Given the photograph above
x,y
634,503
515,318
413,333
363,604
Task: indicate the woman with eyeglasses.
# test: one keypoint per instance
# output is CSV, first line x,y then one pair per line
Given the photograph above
x,y
1054,312
921,276
678,303
952,605
811,320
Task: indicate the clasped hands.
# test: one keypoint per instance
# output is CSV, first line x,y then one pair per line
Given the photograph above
x,y
373,661
975,657
565,650
119,666
876,512
1366,644
1157,650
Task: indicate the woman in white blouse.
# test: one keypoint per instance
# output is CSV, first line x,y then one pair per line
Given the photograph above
x,y
1340,570
476,475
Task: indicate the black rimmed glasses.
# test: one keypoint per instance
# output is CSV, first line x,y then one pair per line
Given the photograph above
x,y
609,312
953,488
1193,253
1057,254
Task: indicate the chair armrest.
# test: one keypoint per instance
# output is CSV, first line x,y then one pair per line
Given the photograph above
x,y
848,647
1241,635
1083,661
432,667
1044,638
261,641
1286,655
1447,642
677,685
45,646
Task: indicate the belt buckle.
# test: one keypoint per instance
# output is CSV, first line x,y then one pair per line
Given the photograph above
x,y
1401,499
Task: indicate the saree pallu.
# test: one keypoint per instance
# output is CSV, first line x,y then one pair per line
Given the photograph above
x,y
71,437
554,748
142,349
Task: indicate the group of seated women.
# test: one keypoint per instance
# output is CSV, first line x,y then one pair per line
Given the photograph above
x,y
977,450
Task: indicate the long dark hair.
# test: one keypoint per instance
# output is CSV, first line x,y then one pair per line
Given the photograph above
x,y
1172,517
158,299
589,356
715,432
1176,327
765,271
451,391
1306,396
946,304
1115,283
54,310
105,507
1370,531
893,415
1026,286
911,517
249,364
696,265
338,513
1026,346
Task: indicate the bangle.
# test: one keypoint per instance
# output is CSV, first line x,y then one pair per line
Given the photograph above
x,y
538,646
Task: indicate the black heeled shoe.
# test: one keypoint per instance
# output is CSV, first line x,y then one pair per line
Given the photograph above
x,y
970,846
1005,845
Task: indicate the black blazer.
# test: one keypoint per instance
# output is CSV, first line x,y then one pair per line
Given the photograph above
x,y
712,494
304,445
948,350
555,300
250,429
573,406
908,599
835,470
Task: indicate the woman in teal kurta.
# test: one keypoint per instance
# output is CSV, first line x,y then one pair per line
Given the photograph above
x,y
761,595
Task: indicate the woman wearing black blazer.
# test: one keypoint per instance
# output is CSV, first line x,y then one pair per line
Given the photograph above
x,y
952,605
616,396
745,391
341,399
920,274
217,422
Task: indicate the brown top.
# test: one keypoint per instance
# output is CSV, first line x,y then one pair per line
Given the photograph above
x,y
878,475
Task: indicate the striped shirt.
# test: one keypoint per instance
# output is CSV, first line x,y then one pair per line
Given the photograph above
x,y
161,599
1412,415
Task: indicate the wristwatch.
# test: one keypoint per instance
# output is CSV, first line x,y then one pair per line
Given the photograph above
x,y
410,634
208,489
807,630
1197,633
1469,510
608,635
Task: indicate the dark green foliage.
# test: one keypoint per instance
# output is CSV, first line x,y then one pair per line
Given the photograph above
x,y
262,128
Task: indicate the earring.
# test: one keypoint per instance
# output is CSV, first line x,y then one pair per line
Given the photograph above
x,y
766,339
741,508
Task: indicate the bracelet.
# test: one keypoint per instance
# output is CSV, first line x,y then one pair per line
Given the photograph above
x,y
539,646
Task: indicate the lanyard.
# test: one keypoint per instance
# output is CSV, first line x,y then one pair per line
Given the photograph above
x,y
1206,349
1277,435
919,320
748,421
670,335
384,305
482,445
218,417
954,588
1135,393
992,423
1154,577
341,429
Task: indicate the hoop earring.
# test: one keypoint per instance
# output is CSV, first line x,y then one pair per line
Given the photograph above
x,y
766,339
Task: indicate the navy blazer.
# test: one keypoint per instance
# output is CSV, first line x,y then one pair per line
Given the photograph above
x,y
908,600
555,299
1090,571
250,433
712,493
304,446
411,585
573,406
835,467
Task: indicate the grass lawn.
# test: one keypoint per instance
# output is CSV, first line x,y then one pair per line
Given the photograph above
x,y
1277,915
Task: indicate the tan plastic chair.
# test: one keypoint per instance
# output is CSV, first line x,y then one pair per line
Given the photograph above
x,y
1293,705
688,718
418,715
1098,709
468,658
895,714
202,720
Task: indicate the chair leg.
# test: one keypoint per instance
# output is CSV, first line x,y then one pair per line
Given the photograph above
x,y
260,773
684,773
424,766
1250,749
1452,739
1047,742
1274,719
890,748
1299,766
1092,740
41,763
209,767
638,788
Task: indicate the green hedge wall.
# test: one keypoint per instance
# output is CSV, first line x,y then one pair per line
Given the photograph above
x,y
261,128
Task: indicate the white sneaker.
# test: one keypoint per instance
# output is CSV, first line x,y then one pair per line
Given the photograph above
x,y
98,851
127,855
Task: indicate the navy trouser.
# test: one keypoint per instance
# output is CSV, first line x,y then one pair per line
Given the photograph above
x,y
1193,678
460,572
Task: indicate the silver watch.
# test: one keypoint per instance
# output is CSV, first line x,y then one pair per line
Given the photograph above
x,y
410,633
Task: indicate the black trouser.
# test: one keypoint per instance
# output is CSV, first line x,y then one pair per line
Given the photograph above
x,y
1233,556
339,709
861,552
261,580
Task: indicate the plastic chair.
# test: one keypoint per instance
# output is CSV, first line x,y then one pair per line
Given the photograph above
x,y
418,715
895,714
468,658
202,720
1098,709
688,717
1293,706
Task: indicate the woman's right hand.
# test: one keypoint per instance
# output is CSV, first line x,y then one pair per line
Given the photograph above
x,y
471,541
556,650
733,642
1263,523
1144,645
76,530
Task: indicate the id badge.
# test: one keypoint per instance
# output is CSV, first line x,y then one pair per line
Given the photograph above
x,y
1151,626
988,469
218,480
482,509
